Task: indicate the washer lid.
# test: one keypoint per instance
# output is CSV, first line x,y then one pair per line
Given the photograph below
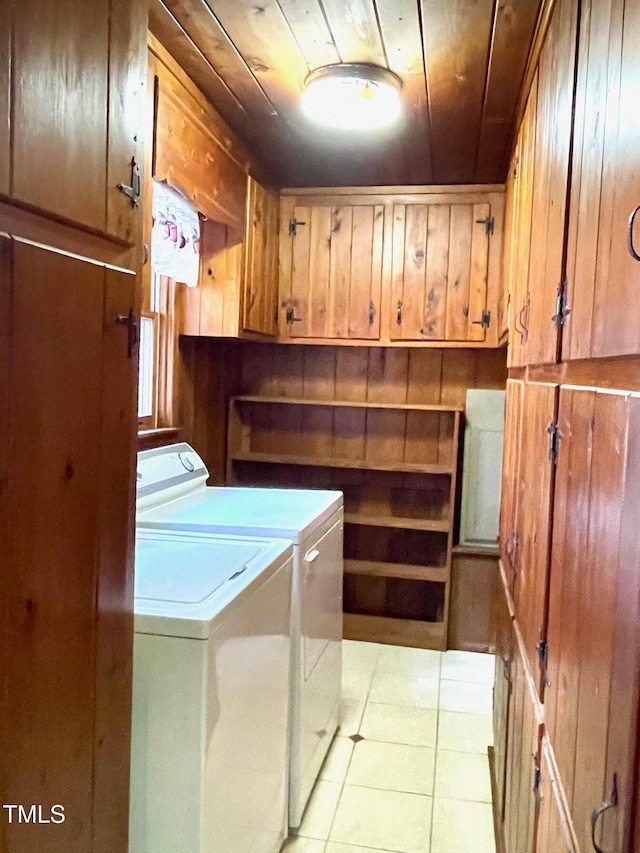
x,y
187,572
184,582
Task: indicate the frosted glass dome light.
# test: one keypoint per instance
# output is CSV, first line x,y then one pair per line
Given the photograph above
x,y
352,96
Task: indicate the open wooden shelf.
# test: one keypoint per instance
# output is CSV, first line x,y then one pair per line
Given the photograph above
x,y
328,462
397,632
435,525
348,404
438,574
396,465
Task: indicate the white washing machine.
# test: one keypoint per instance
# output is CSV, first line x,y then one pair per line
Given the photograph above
x,y
209,753
172,494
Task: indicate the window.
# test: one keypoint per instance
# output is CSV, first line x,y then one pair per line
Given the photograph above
x,y
156,353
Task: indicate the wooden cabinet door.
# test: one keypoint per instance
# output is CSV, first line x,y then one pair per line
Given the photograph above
x,y
521,802
594,616
509,543
331,270
553,834
603,278
535,491
519,225
5,101
260,306
440,270
502,698
84,62
66,506
554,101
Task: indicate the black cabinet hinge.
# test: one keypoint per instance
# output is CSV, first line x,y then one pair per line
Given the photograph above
x,y
543,658
553,431
293,226
489,224
484,321
562,310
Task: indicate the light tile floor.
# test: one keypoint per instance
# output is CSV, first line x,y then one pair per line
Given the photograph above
x,y
417,780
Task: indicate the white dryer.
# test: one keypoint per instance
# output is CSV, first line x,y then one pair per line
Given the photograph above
x,y
172,494
209,755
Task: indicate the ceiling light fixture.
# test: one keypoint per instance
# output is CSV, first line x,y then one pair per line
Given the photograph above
x,y
352,96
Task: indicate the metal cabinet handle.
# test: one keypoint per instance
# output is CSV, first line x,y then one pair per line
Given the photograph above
x,y
399,312
311,556
372,312
630,245
601,808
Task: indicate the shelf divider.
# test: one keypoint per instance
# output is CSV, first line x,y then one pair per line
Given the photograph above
x,y
402,522
371,568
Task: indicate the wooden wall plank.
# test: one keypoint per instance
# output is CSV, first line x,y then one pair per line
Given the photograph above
x,y
397,268
5,575
387,377
5,100
622,741
309,26
600,566
316,321
400,26
513,28
355,31
613,333
435,305
566,596
479,272
456,38
261,34
361,273
459,272
301,248
340,271
415,267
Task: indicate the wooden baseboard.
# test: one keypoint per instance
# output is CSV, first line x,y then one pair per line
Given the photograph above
x,y
497,818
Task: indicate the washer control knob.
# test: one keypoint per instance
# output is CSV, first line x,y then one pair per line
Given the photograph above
x,y
186,461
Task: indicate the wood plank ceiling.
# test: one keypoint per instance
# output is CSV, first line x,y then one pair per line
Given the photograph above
x,y
461,61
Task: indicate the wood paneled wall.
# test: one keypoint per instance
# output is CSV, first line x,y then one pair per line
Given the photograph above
x,y
210,371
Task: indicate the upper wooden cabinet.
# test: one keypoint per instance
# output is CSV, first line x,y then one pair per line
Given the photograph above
x,y
441,270
74,84
403,265
539,198
603,277
237,295
330,268
260,273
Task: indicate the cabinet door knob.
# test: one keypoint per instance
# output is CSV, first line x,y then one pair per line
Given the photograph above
x,y
630,246
601,808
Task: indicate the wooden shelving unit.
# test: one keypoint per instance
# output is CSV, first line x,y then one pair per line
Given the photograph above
x,y
396,465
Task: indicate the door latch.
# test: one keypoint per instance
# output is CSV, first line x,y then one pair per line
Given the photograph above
x,y
130,321
484,321
133,190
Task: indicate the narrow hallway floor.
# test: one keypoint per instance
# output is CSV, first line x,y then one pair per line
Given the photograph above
x,y
415,779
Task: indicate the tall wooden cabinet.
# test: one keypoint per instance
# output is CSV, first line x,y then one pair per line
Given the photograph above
x,y
569,529
70,103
